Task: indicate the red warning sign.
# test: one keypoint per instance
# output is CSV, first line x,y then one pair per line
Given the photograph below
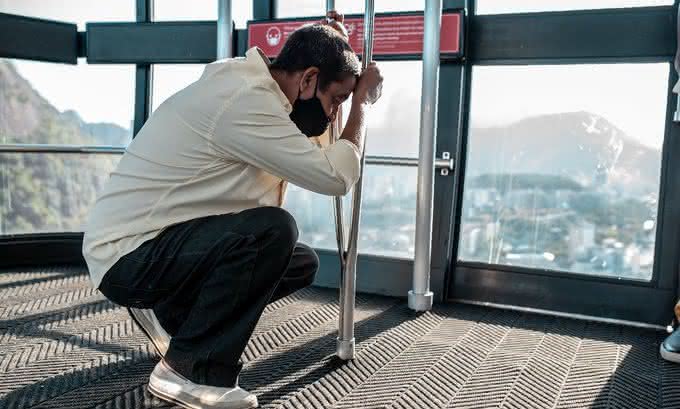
x,y
394,35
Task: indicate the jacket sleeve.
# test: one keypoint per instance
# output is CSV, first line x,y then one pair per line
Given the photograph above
x,y
258,131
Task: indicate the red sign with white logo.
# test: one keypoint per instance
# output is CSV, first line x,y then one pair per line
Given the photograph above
x,y
393,35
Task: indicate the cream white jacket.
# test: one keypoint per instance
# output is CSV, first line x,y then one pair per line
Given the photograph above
x,y
221,145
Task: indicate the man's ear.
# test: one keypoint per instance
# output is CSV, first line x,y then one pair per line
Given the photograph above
x,y
308,82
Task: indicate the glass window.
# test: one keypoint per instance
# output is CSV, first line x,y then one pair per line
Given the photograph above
x,y
306,8
72,11
177,10
66,104
300,8
381,6
393,123
168,79
387,215
523,6
42,193
563,167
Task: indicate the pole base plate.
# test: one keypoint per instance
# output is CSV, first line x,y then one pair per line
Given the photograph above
x,y
345,349
420,302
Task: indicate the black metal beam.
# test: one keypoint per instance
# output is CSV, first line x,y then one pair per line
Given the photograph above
x,y
667,249
451,83
142,96
182,42
264,9
375,274
565,294
41,249
152,43
453,4
240,43
144,10
143,73
590,34
457,143
37,39
81,46
593,35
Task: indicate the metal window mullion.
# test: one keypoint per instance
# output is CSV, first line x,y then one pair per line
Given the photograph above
x,y
47,148
465,78
143,74
264,9
666,257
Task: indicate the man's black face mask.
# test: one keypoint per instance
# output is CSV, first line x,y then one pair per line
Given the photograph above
x,y
309,115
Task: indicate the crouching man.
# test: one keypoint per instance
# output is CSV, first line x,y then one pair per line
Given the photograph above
x,y
189,231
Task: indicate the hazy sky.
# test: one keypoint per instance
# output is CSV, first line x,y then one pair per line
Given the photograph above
x,y
633,97
516,6
313,7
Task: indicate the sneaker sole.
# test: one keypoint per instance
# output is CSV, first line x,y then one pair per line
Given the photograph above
x,y
169,398
176,401
669,356
161,348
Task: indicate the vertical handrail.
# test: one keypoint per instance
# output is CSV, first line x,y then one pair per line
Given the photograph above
x,y
348,280
334,136
340,233
420,297
224,29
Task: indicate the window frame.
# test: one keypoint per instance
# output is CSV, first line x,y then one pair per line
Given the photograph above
x,y
653,280
523,39
642,35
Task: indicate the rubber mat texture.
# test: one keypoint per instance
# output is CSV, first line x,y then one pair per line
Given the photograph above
x,y
63,345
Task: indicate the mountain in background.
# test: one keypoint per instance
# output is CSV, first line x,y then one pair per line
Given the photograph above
x,y
582,146
27,117
102,133
47,192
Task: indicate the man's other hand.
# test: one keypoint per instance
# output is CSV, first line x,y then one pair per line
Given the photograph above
x,y
369,87
336,20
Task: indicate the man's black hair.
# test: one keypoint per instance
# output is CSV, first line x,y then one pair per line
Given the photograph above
x,y
318,46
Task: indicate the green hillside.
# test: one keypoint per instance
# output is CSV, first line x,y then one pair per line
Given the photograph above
x,y
46,192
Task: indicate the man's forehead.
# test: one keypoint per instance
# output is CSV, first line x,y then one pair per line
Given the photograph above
x,y
343,87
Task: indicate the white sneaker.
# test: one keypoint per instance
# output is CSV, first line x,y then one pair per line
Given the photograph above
x,y
670,347
147,320
168,385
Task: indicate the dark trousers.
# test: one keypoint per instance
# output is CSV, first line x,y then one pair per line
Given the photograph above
x,y
208,281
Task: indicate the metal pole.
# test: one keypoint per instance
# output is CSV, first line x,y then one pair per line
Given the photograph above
x,y
420,297
346,331
339,224
47,148
224,29
334,134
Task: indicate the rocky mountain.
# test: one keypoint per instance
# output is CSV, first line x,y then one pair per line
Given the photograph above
x,y
102,133
581,146
26,117
47,192
22,110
